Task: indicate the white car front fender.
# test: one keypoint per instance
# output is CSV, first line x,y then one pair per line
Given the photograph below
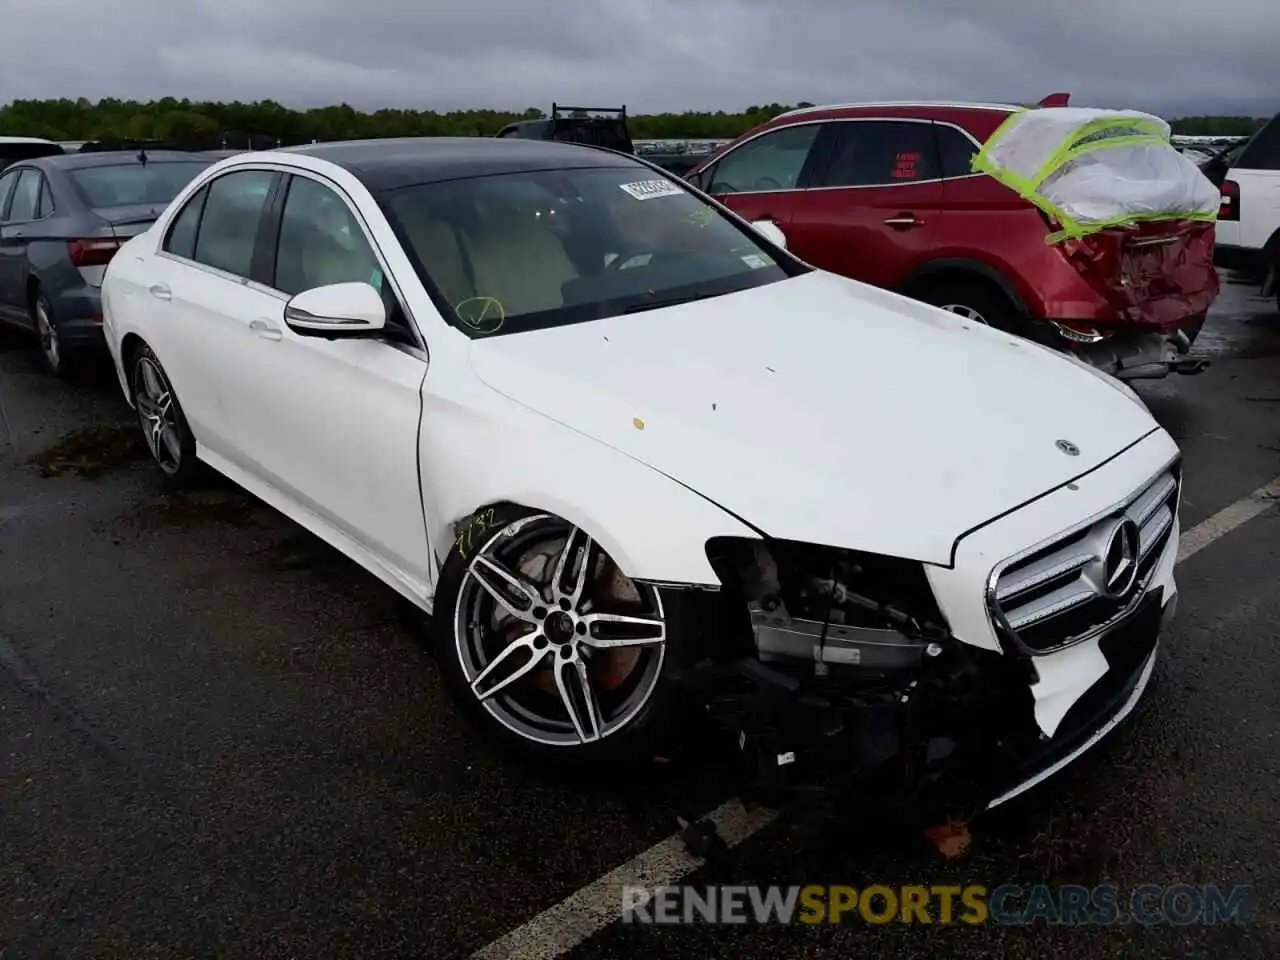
x,y
475,455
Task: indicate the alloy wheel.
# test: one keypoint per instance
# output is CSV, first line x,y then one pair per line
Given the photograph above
x,y
554,641
158,415
50,345
969,313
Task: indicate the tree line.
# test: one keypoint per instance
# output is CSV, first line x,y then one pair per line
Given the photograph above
x,y
182,120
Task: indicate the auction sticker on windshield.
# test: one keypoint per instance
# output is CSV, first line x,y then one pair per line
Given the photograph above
x,y
648,189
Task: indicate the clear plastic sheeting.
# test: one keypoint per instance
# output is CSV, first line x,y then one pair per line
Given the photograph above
x,y
1092,169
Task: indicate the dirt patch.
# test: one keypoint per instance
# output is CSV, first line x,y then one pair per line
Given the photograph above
x,y
91,452
300,550
231,507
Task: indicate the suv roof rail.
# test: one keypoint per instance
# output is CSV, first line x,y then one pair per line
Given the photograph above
x,y
926,104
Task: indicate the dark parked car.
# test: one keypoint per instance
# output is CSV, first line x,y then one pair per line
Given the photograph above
x,y
13,149
596,127
62,218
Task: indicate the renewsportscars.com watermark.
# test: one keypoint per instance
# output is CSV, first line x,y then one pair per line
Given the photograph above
x,y
1009,904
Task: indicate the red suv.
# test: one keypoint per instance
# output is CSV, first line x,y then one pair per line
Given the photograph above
x,y
885,193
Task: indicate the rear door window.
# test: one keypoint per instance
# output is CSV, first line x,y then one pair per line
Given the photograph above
x,y
878,153
772,161
232,215
26,196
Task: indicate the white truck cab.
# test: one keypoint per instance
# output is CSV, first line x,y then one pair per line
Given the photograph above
x,y
1248,229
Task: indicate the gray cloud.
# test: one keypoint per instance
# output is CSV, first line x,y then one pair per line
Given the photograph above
x,y
1170,56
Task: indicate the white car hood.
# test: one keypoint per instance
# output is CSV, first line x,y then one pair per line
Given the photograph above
x,y
823,410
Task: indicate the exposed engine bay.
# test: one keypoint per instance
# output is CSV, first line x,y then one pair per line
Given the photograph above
x,y
807,606
837,675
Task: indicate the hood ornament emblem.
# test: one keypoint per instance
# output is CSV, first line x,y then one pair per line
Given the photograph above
x,y
1067,447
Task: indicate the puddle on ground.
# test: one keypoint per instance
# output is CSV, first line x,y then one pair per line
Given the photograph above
x,y
91,451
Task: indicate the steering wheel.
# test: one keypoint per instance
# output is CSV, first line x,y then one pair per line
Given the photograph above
x,y
768,183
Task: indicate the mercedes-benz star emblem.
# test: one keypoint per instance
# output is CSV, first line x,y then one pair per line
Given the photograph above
x,y
1067,447
1120,561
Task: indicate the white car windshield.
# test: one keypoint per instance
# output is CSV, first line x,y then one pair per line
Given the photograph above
x,y
521,251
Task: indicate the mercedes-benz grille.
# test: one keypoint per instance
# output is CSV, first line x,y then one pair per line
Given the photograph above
x,y
1080,582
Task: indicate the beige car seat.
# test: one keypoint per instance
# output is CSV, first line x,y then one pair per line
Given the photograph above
x,y
518,259
443,252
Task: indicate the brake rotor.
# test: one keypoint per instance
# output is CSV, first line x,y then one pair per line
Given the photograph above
x,y
608,669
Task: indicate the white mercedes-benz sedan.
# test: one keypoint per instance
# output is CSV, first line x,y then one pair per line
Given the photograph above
x,y
631,454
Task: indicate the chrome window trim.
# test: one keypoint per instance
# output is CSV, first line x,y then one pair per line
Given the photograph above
x,y
861,186
1139,590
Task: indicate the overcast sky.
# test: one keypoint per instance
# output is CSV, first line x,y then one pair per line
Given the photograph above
x,y
1174,57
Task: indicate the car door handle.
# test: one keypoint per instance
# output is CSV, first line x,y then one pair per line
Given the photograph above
x,y
904,220
265,329
161,291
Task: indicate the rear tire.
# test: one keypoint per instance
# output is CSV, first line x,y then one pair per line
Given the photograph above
x,y
518,664
975,300
164,426
57,359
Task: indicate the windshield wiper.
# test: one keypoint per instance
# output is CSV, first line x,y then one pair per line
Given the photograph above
x,y
657,304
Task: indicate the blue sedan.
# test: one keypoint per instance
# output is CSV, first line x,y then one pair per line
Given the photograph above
x,y
62,218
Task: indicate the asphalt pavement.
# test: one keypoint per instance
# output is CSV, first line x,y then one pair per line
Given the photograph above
x,y
220,738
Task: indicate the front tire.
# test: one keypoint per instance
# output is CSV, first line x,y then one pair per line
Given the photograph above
x,y
550,648
164,426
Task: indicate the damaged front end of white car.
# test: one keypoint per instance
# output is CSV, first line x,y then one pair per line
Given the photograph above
x,y
837,674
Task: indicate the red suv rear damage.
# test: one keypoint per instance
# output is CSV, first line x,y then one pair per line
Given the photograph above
x,y
886,194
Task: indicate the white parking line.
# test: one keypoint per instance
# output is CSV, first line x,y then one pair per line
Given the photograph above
x,y
1227,519
560,928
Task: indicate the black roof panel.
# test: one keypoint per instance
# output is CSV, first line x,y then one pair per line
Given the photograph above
x,y
388,164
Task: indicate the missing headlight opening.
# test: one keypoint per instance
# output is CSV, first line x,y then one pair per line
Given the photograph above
x,y
842,663
847,614
838,609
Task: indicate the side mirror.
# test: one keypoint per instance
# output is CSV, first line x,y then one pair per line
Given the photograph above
x,y
771,232
337,310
